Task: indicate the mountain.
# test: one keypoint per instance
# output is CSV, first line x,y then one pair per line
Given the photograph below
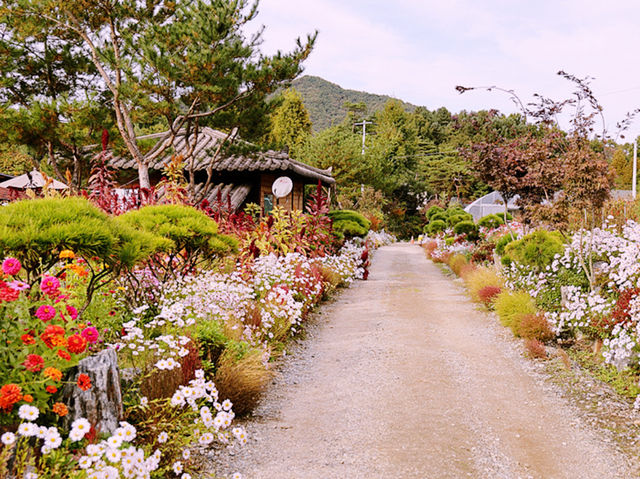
x,y
325,100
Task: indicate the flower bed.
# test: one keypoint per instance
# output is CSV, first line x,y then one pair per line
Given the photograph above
x,y
188,346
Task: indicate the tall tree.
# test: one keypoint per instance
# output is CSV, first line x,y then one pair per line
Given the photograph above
x,y
290,123
186,61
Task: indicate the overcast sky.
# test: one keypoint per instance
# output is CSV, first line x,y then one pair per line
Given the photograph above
x,y
420,50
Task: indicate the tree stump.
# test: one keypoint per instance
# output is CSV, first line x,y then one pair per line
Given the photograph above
x,y
102,404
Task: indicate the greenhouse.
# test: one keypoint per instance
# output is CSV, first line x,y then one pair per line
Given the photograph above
x,y
490,204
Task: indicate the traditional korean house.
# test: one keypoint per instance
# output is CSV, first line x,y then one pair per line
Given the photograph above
x,y
237,179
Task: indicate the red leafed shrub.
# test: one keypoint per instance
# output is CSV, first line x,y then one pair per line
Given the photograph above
x,y
535,326
488,293
535,348
621,313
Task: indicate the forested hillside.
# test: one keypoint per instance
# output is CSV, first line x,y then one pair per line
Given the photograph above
x,y
325,101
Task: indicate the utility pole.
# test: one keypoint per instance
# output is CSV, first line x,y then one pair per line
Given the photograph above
x,y
364,124
635,169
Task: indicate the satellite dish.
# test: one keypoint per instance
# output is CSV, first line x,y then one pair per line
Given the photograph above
x,y
282,187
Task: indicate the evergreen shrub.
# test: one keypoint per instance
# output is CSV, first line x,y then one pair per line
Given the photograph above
x,y
536,249
490,221
436,226
433,210
467,228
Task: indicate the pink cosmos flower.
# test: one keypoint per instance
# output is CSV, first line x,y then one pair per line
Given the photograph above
x,y
90,334
11,266
45,313
18,285
49,285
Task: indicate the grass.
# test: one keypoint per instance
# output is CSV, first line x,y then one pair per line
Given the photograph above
x,y
623,382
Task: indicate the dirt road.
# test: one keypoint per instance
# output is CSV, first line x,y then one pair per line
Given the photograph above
x,y
403,377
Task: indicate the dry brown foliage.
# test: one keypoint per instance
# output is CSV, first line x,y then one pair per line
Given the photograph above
x,y
243,380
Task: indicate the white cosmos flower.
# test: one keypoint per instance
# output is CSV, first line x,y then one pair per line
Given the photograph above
x,y
8,438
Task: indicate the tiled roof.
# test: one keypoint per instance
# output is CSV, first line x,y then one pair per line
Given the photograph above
x,y
207,140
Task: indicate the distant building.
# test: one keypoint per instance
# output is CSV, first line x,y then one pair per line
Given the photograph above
x,y
237,179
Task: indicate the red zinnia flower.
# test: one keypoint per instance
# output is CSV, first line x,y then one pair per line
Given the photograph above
x,y
51,334
51,389
28,339
33,363
76,344
64,355
84,382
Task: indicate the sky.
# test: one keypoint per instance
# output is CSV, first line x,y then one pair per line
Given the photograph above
x,y
419,51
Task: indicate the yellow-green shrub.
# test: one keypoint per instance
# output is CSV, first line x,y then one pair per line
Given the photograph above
x,y
479,278
511,306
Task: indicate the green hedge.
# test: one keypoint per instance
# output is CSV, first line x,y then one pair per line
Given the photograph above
x,y
491,221
435,226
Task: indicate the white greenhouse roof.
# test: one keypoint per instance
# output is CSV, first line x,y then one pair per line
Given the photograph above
x,y
490,204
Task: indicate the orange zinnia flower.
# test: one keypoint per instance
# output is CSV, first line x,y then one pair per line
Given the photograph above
x,y
84,382
53,374
60,409
9,395
27,398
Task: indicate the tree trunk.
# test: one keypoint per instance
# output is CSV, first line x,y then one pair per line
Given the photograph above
x,y
143,176
101,405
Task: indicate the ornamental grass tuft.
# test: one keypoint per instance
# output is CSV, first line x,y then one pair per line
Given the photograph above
x,y
511,306
482,277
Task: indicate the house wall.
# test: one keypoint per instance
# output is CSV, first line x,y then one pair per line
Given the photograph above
x,y
293,201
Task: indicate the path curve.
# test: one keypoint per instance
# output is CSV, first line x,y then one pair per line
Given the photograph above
x,y
403,377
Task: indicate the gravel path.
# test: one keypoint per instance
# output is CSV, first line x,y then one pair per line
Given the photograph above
x,y
402,377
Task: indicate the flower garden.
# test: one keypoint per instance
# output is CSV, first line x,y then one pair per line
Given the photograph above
x,y
196,304
577,292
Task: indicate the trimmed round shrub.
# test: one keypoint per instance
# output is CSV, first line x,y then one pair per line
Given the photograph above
x,y
467,228
491,221
36,231
187,229
512,306
435,209
349,223
458,218
536,249
436,226
503,242
449,241
348,228
439,217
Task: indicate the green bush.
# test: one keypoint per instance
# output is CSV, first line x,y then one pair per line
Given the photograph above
x,y
436,226
189,232
348,228
455,210
455,219
491,221
439,217
511,306
467,228
350,215
433,210
503,242
449,241
36,231
536,249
